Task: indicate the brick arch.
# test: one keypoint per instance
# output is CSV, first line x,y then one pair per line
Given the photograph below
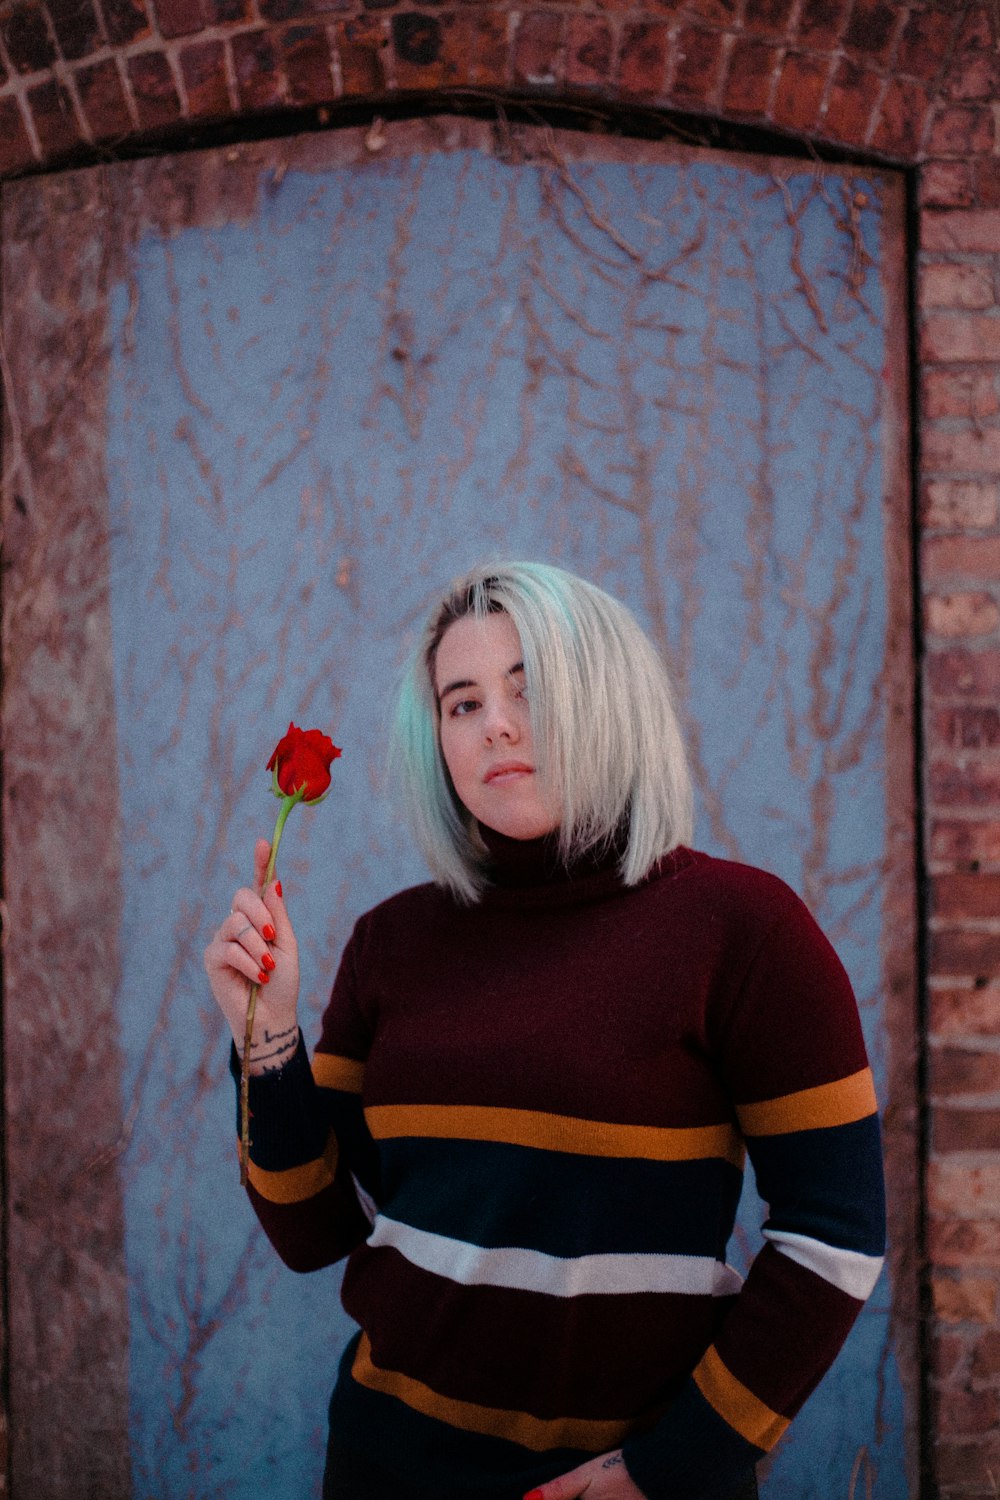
x,y
909,82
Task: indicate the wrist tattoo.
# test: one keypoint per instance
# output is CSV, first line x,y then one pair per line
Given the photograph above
x,y
282,1038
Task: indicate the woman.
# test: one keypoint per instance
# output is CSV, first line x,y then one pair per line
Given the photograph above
x,y
525,1119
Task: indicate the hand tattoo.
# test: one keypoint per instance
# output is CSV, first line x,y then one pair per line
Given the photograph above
x,y
611,1460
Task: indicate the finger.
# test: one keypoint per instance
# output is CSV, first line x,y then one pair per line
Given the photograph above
x,y
238,928
566,1487
261,855
248,907
244,963
284,933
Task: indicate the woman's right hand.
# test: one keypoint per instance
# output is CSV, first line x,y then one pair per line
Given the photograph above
x,y
256,945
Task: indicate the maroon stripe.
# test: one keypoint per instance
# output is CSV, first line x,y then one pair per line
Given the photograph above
x,y
592,1357
816,1318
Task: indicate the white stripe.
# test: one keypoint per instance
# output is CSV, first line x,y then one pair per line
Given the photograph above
x,y
555,1275
852,1272
368,1205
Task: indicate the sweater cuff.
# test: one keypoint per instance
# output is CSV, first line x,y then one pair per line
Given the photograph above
x,y
286,1126
691,1452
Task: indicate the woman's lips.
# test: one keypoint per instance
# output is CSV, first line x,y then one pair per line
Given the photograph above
x,y
510,770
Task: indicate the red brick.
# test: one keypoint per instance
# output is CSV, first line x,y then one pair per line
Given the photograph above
x,y
125,21
960,336
966,674
15,145
964,1070
77,28
642,60
967,841
924,43
29,46
298,10
227,12
902,115
696,65
965,1130
768,16
966,614
947,556
55,122
966,1011
203,68
969,451
964,1242
986,179
972,76
946,184
954,504
179,17
961,1412
154,90
971,1300
963,895
986,1357
258,77
850,103
976,229
949,1353
722,11
429,50
821,23
102,99
871,29
752,66
538,48
974,31
961,130
489,55
971,1466
956,1190
968,727
957,284
588,52
305,53
361,47
959,951
960,393
799,93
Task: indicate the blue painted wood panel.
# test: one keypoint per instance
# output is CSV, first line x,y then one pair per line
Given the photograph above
x,y
667,370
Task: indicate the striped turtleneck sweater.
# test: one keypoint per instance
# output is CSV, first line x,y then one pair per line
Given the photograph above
x,y
525,1124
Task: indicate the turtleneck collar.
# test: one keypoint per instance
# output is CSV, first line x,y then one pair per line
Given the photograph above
x,y
537,864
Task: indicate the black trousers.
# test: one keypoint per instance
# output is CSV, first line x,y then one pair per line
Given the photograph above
x,y
355,1476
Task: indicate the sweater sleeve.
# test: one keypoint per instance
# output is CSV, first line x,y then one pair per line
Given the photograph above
x,y
790,1048
310,1172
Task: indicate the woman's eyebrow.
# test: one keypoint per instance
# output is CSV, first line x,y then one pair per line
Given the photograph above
x,y
467,682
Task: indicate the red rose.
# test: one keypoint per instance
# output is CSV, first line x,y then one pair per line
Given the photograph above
x,y
302,761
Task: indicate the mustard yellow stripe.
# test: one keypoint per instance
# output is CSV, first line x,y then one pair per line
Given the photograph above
x,y
333,1072
521,1427
295,1184
736,1403
839,1103
525,1127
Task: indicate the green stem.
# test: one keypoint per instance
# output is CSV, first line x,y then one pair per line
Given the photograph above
x,y
287,803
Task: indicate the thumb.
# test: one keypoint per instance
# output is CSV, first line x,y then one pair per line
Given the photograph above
x,y
261,855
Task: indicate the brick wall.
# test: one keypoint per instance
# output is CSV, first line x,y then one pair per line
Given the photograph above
x,y
915,82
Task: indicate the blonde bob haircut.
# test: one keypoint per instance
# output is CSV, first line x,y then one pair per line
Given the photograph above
x,y
606,737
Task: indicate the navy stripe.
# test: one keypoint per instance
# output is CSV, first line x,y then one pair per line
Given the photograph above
x,y
493,1194
286,1129
825,1183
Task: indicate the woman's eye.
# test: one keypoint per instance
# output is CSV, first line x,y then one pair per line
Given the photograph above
x,y
463,706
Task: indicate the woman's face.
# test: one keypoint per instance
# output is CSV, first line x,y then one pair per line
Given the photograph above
x,y
486,728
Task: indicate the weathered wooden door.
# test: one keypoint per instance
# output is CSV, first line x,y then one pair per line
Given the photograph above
x,y
261,403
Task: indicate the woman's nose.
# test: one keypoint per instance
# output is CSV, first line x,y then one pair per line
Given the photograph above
x,y
499,724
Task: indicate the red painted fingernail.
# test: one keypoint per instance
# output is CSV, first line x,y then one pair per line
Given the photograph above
x,y
534,1495
269,934
267,961
277,889
262,978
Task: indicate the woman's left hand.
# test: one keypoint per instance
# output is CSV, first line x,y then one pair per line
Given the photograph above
x,y
603,1478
